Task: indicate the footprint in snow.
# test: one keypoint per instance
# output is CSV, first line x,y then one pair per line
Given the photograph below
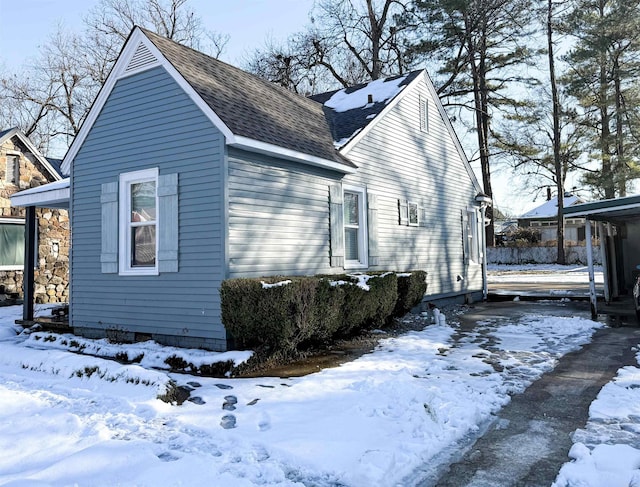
x,y
228,421
197,400
265,423
194,384
168,457
229,403
223,386
252,403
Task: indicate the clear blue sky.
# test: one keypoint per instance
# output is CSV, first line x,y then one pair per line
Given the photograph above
x,y
26,24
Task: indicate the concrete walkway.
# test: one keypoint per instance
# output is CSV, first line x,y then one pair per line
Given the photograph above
x,y
531,437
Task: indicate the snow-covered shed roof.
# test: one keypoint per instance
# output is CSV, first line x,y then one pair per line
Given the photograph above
x,y
549,209
351,109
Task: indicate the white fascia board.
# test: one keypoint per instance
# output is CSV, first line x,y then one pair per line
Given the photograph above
x,y
118,72
289,154
350,145
52,195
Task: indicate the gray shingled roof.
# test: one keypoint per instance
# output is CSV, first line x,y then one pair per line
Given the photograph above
x,y
56,165
252,107
5,132
346,124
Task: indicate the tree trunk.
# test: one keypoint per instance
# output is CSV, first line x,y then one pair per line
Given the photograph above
x,y
620,168
478,54
605,134
556,137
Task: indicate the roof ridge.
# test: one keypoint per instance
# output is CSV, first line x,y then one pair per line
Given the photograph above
x,y
269,84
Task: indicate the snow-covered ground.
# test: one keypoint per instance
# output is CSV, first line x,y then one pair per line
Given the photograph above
x,y
607,452
384,419
542,273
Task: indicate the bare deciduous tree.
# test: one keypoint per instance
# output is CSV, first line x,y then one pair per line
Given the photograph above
x,y
51,98
347,42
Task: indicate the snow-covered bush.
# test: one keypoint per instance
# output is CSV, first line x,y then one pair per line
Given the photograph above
x,y
279,318
283,315
367,308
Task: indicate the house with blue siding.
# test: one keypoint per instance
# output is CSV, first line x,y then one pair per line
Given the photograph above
x,y
189,171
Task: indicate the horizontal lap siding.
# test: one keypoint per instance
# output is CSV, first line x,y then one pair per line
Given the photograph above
x,y
148,121
278,217
398,161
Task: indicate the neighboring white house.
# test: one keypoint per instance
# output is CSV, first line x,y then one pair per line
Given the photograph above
x,y
544,219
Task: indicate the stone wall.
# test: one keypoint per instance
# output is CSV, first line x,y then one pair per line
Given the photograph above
x,y
540,255
52,271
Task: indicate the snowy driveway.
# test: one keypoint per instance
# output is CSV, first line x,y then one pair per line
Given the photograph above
x,y
375,421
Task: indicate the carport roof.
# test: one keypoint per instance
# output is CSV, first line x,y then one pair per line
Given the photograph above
x,y
616,210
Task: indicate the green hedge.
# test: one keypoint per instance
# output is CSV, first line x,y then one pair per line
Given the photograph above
x,y
279,317
367,309
307,310
412,286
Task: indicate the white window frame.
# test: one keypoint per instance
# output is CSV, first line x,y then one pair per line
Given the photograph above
x,y
124,258
22,222
417,221
363,245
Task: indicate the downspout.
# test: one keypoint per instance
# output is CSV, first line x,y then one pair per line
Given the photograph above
x,y
484,201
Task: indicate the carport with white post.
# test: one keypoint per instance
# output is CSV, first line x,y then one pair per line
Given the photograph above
x,y
618,222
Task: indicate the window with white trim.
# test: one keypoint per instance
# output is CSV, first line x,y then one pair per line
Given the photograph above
x,y
472,235
355,227
413,214
138,222
11,244
409,213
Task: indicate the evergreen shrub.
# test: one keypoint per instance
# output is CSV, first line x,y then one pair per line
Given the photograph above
x,y
302,311
279,318
411,289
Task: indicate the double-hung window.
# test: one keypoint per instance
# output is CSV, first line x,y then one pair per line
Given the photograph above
x,y
355,227
139,222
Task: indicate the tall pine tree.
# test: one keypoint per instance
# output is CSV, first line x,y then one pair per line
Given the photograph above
x,y
477,47
603,71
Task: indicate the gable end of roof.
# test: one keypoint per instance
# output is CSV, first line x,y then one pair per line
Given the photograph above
x,y
239,104
49,165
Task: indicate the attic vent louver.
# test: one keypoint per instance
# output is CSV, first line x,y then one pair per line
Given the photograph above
x,y
141,59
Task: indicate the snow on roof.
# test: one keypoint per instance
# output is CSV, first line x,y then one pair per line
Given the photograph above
x,y
549,209
381,91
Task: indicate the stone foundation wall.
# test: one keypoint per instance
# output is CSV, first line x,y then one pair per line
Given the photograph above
x,y
52,271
